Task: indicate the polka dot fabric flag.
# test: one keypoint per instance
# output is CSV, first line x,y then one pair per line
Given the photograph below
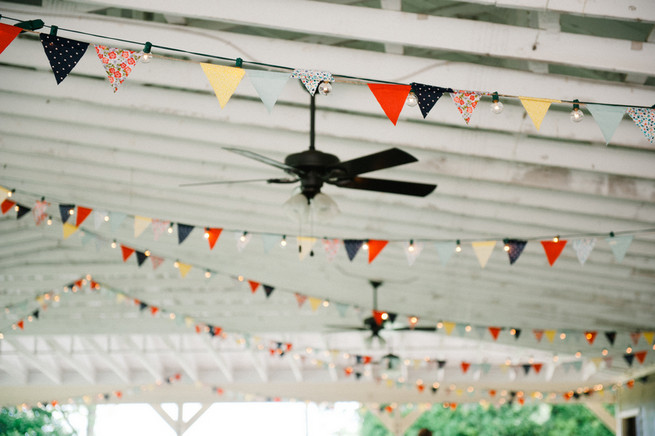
x,y
63,54
427,96
645,119
118,63
311,78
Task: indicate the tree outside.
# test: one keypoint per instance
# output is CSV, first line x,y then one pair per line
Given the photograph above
x,y
31,422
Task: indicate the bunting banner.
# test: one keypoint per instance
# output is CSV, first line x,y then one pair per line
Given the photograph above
x,y
300,299
68,230
183,231
449,327
629,358
374,248
483,250
311,78
619,246
242,240
253,286
212,236
331,247
118,63
516,247
64,211
465,367
6,206
537,108
553,249
127,252
538,334
583,247
140,258
635,337
99,218
342,308
184,269
611,337
314,303
268,290
641,356
645,119
39,212
116,219
590,336
607,118
305,246
7,35
550,335
268,84
391,98
223,80
413,251
352,247
427,96
159,227
156,261
649,337
22,211
140,224
63,54
445,251
466,102
494,331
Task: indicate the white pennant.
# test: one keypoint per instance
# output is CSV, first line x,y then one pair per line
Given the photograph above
x,y
583,247
412,251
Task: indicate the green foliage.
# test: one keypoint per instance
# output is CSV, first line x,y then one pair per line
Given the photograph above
x,y
34,422
509,420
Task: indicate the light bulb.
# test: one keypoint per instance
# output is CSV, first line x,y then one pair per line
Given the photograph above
x,y
556,239
49,222
208,274
10,193
385,316
147,253
147,57
458,249
576,114
206,235
106,218
283,242
496,105
71,211
176,264
16,208
506,247
324,88
412,99
113,244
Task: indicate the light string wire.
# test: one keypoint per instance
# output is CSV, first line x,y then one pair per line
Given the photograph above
x,y
282,67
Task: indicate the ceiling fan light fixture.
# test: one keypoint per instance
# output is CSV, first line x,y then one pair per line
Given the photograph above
x,y
320,208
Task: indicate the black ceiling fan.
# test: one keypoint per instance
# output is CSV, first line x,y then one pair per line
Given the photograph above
x,y
312,168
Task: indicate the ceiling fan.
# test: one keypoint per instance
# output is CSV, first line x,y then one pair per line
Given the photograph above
x,y
312,168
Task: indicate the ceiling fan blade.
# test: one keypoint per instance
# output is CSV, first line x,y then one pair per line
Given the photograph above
x,y
376,161
227,182
389,186
263,159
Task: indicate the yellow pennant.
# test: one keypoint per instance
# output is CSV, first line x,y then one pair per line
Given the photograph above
x,y
649,336
188,321
448,326
140,224
69,229
4,190
597,361
223,79
550,335
120,298
314,303
483,251
305,245
537,108
184,269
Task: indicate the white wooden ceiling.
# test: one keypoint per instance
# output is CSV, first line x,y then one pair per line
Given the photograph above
x,y
498,177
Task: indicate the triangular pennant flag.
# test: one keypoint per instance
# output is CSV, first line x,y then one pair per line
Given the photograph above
x,y
154,310
466,102
224,80
483,251
63,54
590,336
268,84
427,96
495,331
537,108
577,365
35,314
516,247
352,247
253,286
156,261
550,335
184,269
391,98
449,326
608,361
331,247
619,246
212,236
22,210
597,361
268,290
242,240
629,358
465,366
441,364
517,333
611,336
183,231
21,324
553,249
607,117
314,303
87,237
461,329
645,119
82,214
649,337
7,204
7,35
641,356
99,218
413,251
311,78
486,367
300,298
481,331
69,229
342,308
583,247
537,367
140,258
38,211
374,248
270,241
127,252
140,224
305,246
116,219
445,250
635,337
526,368
377,316
142,305
538,334
159,227
64,211
118,63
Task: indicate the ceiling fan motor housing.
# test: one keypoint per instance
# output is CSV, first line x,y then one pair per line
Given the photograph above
x,y
315,167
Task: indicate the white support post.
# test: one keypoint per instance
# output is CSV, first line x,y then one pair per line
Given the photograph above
x,y
605,417
396,423
179,425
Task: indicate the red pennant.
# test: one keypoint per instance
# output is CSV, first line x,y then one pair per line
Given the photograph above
x,y
553,249
521,401
118,394
95,285
420,388
253,286
79,283
567,396
348,370
7,35
590,336
198,329
7,205
492,392
388,409
495,331
289,346
82,213
391,98
300,298
217,331
465,367
366,359
538,334
374,248
54,403
641,355
272,351
178,376
212,237
154,310
537,367
377,315
21,324
127,252
635,337
219,391
453,406
631,384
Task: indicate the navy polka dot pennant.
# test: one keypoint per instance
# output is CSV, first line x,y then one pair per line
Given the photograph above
x,y
63,54
516,247
352,247
427,96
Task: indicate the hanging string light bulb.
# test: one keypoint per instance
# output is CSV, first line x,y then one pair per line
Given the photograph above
x,y
458,248
283,242
147,56
324,88
576,114
412,99
496,105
